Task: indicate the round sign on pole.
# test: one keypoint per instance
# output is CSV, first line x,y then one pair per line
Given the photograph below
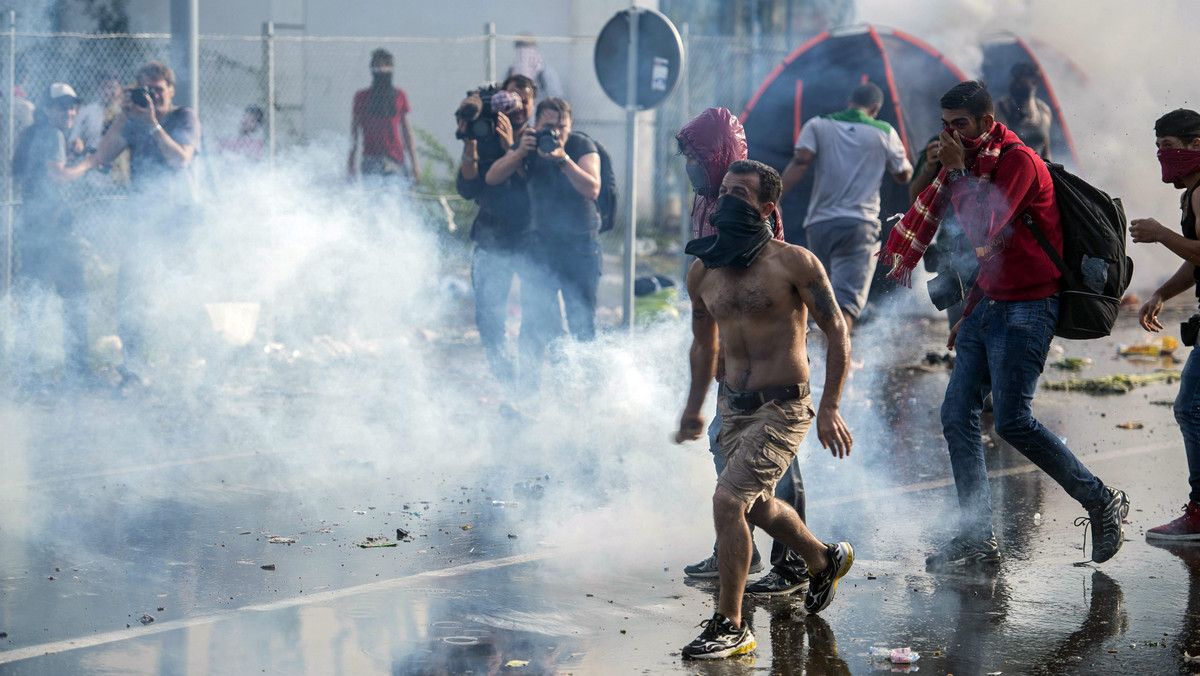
x,y
659,57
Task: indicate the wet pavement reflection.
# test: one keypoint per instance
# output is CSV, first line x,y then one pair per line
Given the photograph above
x,y
210,556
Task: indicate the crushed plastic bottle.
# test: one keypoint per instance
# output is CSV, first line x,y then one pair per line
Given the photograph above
x,y
894,655
1037,519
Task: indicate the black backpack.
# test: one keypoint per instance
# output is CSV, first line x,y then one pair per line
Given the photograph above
x,y
606,202
1094,266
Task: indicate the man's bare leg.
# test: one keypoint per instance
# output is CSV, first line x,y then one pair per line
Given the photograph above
x,y
781,522
733,551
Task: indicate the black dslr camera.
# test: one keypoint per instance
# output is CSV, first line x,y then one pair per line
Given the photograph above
x,y
140,96
1188,330
481,117
548,140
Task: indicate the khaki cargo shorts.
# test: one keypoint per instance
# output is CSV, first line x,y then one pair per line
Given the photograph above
x,y
758,445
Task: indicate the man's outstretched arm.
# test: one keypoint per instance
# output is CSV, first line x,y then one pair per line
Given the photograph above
x,y
817,294
702,357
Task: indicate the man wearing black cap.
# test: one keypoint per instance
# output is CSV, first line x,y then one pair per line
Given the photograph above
x,y
1178,139
48,253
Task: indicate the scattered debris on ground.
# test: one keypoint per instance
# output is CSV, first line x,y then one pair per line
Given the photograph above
x,y
377,541
1117,383
1131,425
1072,363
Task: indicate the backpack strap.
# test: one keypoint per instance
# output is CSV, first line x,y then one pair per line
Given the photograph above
x,y
1037,232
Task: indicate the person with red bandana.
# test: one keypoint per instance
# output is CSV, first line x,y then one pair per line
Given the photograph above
x,y
711,142
380,117
1178,139
994,182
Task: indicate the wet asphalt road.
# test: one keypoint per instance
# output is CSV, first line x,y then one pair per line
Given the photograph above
x,y
95,540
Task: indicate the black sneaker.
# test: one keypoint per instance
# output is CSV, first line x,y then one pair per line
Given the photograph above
x,y
774,584
1107,533
823,585
708,568
962,552
720,639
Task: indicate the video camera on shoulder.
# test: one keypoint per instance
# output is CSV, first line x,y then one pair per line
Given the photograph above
x,y
140,96
481,118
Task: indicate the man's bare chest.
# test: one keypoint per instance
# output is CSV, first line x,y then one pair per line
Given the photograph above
x,y
745,295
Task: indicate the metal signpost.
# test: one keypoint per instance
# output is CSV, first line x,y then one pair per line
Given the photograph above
x,y
638,59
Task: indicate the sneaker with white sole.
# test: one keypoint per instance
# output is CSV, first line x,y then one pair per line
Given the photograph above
x,y
774,584
1186,527
720,639
962,552
708,568
823,585
1107,533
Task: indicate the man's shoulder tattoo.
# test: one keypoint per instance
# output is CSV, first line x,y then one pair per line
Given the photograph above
x,y
824,305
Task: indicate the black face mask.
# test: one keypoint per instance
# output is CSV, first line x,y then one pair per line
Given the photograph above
x,y
1021,92
698,177
741,235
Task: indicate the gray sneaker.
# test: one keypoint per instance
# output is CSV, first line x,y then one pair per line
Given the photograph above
x,y
774,584
1107,533
708,568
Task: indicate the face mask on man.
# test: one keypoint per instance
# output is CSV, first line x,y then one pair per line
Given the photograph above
x,y
1177,163
698,177
1021,91
742,233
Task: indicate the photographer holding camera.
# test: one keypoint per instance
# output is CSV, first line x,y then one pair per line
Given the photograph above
x,y
563,171
162,140
488,119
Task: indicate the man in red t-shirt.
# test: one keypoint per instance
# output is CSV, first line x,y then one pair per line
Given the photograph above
x,y
994,183
380,115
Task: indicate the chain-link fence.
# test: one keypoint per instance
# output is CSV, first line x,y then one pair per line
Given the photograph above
x,y
304,86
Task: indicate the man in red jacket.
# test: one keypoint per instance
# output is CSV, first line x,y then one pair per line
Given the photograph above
x,y
994,183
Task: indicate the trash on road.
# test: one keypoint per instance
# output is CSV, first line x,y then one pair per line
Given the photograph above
x,y
1131,425
379,541
280,540
1117,383
1072,363
1149,348
894,655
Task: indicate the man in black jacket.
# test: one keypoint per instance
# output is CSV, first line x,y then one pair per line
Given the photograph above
x,y
502,231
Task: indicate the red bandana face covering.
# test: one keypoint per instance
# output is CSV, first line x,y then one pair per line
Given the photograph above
x,y
1177,163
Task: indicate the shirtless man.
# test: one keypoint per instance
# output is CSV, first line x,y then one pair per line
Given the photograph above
x,y
758,292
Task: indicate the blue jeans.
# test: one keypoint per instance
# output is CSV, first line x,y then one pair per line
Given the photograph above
x,y
492,272
1004,345
790,489
1187,414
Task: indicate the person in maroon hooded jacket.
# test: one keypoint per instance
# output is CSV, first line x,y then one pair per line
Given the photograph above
x,y
711,142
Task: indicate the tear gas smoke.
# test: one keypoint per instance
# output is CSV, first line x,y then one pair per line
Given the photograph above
x,y
1125,52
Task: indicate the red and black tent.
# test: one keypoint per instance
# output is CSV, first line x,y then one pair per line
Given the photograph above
x,y
1002,51
817,79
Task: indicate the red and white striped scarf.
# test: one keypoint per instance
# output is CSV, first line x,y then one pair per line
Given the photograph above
x,y
916,230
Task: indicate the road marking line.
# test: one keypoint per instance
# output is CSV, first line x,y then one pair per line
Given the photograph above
x,y
996,474
67,645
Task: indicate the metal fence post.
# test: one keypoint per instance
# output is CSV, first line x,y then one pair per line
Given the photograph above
x,y
269,82
631,107
489,52
8,208
685,188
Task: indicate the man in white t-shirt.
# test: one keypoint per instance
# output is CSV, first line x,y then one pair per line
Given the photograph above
x,y
850,151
